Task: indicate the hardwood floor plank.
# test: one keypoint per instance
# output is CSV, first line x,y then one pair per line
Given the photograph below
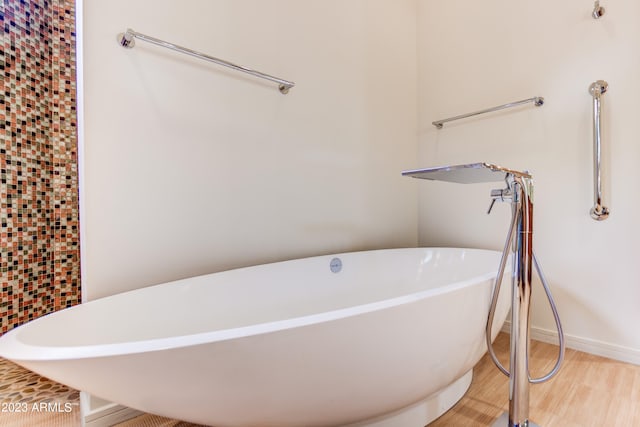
x,y
589,391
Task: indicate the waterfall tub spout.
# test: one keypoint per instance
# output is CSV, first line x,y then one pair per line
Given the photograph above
x,y
375,338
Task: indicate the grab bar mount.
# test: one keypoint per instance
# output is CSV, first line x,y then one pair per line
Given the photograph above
x,y
598,10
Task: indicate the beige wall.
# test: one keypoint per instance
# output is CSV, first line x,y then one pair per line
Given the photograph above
x,y
190,168
474,55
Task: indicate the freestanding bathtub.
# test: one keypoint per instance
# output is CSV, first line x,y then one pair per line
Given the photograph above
x,y
376,338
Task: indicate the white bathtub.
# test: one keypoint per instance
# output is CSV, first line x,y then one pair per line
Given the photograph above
x,y
379,342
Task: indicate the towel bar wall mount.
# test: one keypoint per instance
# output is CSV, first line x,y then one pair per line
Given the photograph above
x,y
127,40
537,101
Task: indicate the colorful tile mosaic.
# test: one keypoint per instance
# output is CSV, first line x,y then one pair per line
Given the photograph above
x,y
39,226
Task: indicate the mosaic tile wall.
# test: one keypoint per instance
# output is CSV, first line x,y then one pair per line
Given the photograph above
x,y
39,234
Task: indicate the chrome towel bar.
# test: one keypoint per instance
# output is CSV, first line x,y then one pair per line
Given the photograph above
x,y
598,212
126,39
537,100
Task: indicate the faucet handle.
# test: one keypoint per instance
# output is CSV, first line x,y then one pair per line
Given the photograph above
x,y
501,195
493,202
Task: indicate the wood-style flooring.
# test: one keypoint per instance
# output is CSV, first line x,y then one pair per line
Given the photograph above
x,y
589,391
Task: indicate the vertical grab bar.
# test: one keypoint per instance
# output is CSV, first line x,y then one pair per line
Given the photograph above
x,y
598,212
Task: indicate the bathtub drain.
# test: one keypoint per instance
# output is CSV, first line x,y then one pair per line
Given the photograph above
x,y
335,265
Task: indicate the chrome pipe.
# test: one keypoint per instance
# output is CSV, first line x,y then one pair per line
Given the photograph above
x,y
518,415
126,39
537,100
598,212
521,302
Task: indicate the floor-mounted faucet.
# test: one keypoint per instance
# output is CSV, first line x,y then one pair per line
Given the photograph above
x,y
519,244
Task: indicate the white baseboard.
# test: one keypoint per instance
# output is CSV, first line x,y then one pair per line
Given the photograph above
x,y
587,345
106,415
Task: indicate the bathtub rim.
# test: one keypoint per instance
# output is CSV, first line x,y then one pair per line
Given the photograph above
x,y
12,348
